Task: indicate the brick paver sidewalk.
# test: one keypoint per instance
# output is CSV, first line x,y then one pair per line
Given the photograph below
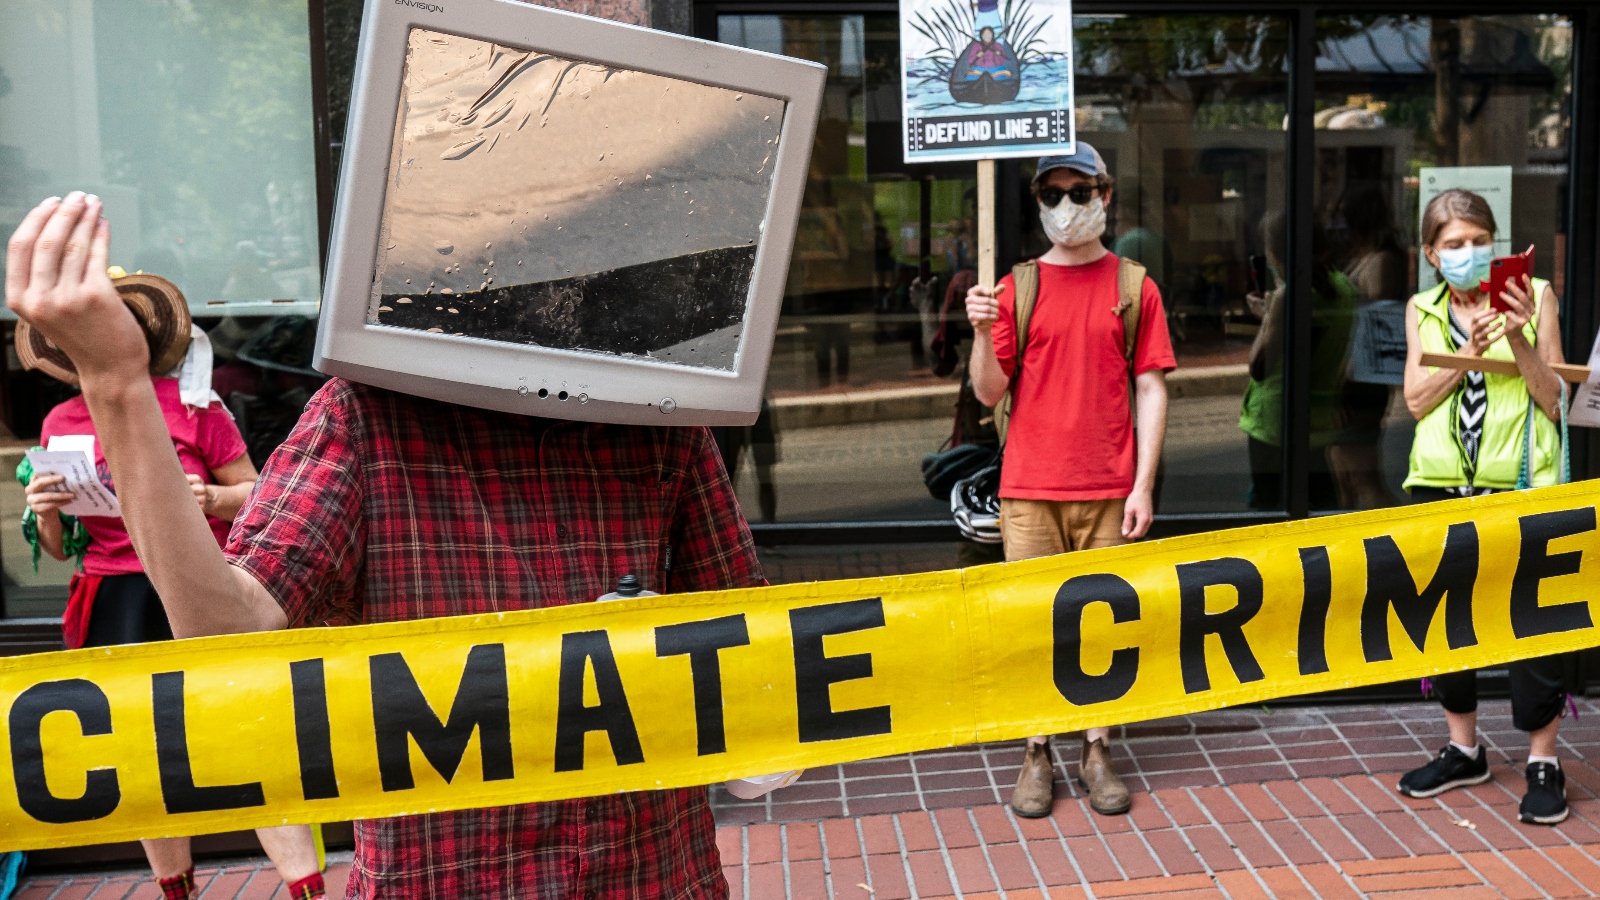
x,y
252,880
1236,803
1240,804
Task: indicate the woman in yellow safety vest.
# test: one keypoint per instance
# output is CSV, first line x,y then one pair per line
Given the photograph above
x,y
1472,439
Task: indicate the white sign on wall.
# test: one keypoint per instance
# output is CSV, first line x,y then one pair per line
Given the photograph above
x,y
986,79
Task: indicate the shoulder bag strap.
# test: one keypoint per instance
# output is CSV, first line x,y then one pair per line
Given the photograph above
x,y
1026,283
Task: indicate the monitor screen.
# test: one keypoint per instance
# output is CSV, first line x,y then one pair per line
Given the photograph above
x,y
510,216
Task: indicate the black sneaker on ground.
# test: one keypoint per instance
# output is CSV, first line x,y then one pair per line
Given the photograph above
x,y
1546,800
1450,769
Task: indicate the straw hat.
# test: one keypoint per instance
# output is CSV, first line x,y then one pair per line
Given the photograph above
x,y
156,303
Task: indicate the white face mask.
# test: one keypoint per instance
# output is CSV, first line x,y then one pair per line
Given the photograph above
x,y
1071,225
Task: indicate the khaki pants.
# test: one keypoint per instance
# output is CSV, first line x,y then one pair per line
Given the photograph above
x,y
1034,528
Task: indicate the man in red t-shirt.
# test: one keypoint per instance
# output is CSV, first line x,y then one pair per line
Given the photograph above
x,y
1080,465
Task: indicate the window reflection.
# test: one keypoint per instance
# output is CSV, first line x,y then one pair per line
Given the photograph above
x,y
1407,105
637,239
857,391
1189,114
193,122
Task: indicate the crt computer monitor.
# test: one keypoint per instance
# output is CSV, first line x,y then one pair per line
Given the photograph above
x,y
551,214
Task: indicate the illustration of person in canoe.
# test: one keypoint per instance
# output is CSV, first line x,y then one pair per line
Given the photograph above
x,y
986,71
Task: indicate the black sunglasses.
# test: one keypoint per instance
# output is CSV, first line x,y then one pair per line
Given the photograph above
x,y
1078,193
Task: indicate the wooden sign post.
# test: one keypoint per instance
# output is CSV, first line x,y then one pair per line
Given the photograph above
x,y
983,80
986,274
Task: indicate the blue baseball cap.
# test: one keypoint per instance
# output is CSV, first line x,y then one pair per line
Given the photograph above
x,y
1086,159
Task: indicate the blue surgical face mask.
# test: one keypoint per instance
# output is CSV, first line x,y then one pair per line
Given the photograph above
x,y
1465,267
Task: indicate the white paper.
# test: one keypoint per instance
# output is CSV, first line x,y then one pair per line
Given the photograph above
x,y
1492,183
1586,401
76,466
84,442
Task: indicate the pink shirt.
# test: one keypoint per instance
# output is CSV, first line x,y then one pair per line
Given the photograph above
x,y
206,440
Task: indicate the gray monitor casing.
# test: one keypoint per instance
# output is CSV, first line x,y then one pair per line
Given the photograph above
x,y
509,376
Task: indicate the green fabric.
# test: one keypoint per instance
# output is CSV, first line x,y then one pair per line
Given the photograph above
x,y
74,537
1436,455
1332,321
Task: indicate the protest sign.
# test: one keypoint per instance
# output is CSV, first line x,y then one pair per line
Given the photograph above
x,y
986,80
1586,399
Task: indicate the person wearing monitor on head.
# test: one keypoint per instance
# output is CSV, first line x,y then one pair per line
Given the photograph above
x,y
376,509
1066,338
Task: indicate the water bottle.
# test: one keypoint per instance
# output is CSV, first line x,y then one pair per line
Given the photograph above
x,y
628,586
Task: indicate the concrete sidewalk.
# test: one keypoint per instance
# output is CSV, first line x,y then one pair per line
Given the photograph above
x,y
1234,803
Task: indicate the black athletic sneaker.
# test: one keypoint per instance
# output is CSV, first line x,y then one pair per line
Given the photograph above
x,y
1450,769
1546,800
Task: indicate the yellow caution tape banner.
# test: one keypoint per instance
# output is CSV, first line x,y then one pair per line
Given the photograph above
x,y
215,734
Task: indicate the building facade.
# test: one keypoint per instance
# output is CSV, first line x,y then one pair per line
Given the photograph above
x,y
1271,161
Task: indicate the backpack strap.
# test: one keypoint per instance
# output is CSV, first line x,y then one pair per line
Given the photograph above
x,y
1025,276
1130,294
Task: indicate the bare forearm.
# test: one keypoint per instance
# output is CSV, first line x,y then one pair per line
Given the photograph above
x,y
1432,390
50,537
1150,416
201,592
228,499
988,379
1544,385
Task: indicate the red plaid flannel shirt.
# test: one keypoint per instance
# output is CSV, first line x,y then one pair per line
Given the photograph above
x,y
383,507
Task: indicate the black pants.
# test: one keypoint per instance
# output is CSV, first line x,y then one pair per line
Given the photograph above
x,y
1538,686
127,611
1538,691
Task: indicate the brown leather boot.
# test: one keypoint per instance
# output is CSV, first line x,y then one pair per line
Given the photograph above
x,y
1036,783
1107,794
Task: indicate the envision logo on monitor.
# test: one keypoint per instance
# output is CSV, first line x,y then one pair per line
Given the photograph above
x,y
425,7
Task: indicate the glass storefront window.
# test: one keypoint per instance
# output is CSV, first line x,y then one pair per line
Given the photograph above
x,y
193,121
854,400
1406,106
1189,114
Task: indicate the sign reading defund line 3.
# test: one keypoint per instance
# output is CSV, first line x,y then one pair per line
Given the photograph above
x,y
986,79
213,734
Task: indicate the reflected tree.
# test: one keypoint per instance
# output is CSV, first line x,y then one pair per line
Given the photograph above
x,y
1230,68
207,124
